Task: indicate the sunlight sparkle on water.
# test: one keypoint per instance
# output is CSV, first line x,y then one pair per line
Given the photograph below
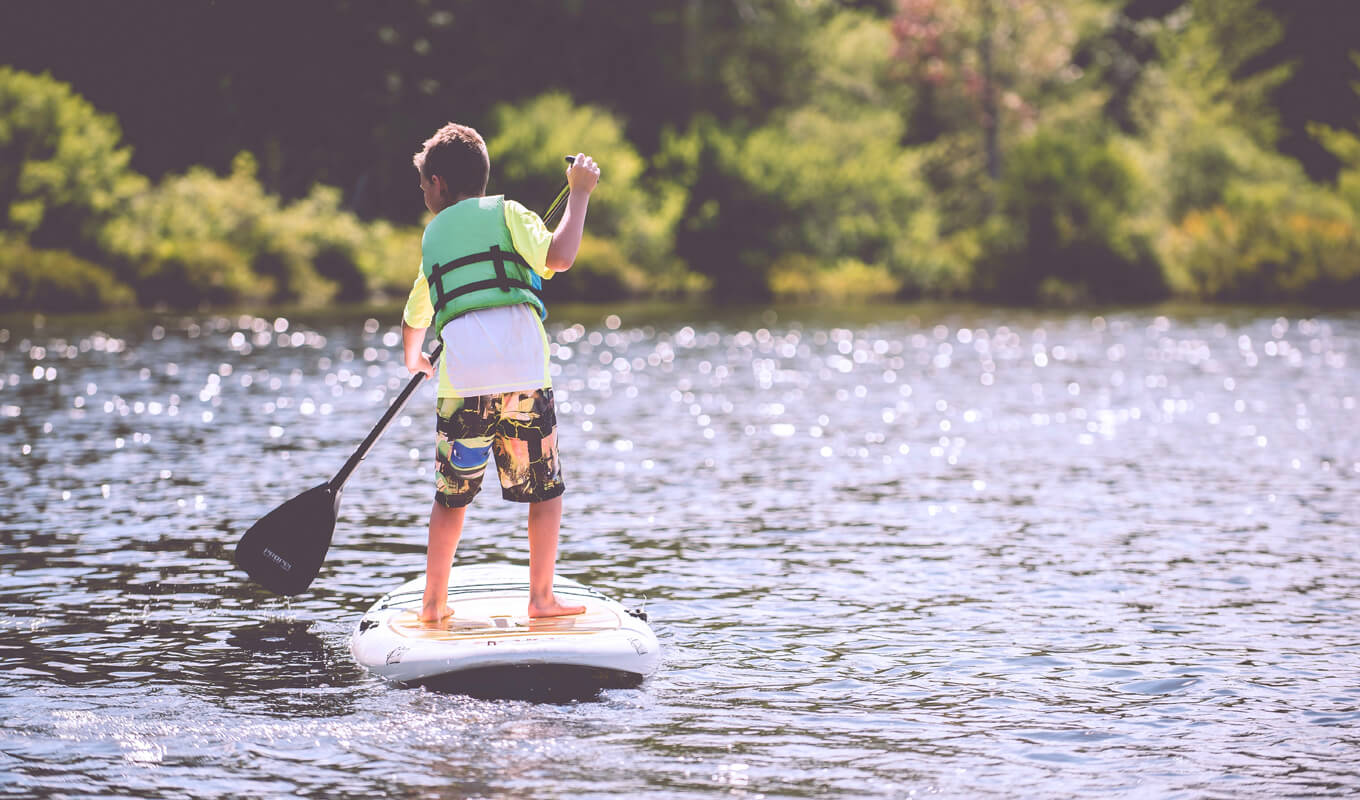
x,y
1163,495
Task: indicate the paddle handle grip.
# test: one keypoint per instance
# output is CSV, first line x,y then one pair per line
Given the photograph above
x,y
392,411
561,196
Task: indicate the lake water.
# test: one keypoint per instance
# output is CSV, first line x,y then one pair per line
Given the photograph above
x,y
894,552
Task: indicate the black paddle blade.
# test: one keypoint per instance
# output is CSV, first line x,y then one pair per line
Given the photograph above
x,y
284,550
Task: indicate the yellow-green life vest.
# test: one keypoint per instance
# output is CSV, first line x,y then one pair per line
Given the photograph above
x,y
470,263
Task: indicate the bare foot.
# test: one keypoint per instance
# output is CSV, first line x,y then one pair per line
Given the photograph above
x,y
552,608
428,614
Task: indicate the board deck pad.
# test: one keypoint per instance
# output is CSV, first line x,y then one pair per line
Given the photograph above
x,y
496,617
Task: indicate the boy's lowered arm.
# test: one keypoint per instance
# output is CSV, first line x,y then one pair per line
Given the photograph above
x,y
413,350
582,177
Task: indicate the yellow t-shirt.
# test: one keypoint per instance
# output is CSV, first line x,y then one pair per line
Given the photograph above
x,y
515,331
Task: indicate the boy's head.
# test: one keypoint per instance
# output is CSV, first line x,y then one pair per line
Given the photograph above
x,y
453,164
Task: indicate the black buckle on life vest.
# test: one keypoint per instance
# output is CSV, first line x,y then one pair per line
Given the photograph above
x,y
498,261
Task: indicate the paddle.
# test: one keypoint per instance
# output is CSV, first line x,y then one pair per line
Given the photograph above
x,y
283,551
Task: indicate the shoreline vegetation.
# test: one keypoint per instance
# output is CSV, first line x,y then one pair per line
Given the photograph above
x,y
1085,157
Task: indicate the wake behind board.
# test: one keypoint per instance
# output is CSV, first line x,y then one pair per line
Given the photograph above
x,y
489,647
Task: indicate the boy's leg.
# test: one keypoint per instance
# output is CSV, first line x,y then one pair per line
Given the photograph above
x,y
461,453
446,526
545,519
530,472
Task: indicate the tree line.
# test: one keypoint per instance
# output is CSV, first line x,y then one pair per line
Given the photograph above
x,y
182,154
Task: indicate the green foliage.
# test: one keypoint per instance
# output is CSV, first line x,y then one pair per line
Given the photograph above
x,y
202,238
1205,50
798,276
63,174
635,214
820,188
802,148
723,231
1065,202
1345,147
43,279
389,257
1268,242
1204,162
199,238
353,259
601,273
1316,48
840,189
853,57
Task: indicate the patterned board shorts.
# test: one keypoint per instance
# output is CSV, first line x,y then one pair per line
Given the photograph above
x,y
519,428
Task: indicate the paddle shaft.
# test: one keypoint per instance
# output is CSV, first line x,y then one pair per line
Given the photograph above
x,y
343,475
338,481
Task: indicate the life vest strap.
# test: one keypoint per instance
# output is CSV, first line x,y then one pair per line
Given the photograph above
x,y
502,281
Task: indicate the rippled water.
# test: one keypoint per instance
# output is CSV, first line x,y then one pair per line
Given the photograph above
x,y
901,551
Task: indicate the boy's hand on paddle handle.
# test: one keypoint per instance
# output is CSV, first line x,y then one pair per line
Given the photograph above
x,y
412,352
421,363
583,174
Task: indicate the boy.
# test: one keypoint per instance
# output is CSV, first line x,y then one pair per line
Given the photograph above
x,y
481,263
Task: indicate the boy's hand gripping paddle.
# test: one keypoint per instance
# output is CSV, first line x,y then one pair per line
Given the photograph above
x,y
283,551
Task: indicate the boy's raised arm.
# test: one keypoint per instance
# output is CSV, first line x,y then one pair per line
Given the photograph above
x,y
582,177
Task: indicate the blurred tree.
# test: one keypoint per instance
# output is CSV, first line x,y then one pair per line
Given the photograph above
x,y
636,215
823,187
1266,243
1200,130
342,91
1063,227
54,280
1119,56
63,170
984,70
1317,42
1345,147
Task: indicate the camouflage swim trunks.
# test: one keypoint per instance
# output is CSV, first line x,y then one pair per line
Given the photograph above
x,y
519,428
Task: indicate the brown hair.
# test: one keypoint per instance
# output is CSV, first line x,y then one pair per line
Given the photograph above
x,y
457,154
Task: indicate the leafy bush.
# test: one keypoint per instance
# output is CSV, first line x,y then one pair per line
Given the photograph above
x,y
798,276
842,188
1264,232
1063,217
601,273
1345,146
54,279
722,232
637,215
1265,243
329,239
389,258
190,273
828,189
63,174
199,238
1205,161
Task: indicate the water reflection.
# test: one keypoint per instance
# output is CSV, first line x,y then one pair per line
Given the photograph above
x,y
284,668
960,550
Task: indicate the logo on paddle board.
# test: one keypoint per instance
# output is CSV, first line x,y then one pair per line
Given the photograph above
x,y
638,646
284,564
394,656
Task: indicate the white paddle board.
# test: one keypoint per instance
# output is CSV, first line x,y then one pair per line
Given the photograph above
x,y
490,647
